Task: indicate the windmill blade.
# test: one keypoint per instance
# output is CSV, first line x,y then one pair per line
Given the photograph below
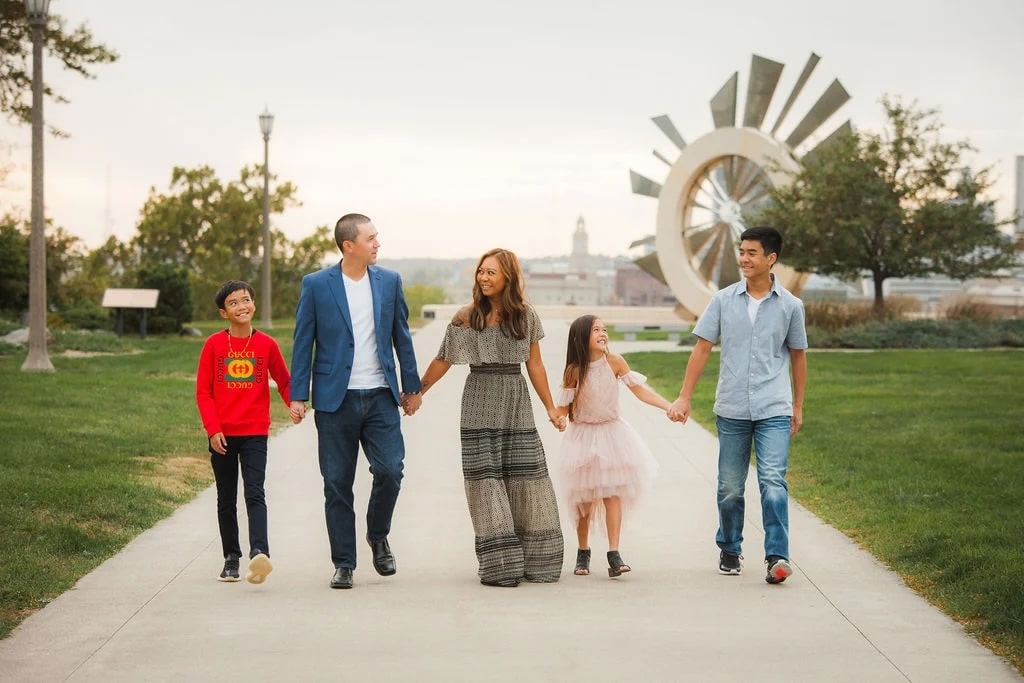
x,y
661,158
664,123
723,104
830,101
646,241
812,61
764,76
643,185
845,129
649,264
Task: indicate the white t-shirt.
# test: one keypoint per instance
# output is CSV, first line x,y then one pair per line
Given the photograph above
x,y
366,370
752,306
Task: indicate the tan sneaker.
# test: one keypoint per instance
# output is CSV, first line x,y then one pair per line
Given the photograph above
x,y
259,567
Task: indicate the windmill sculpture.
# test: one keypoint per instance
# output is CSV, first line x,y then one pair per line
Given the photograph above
x,y
723,177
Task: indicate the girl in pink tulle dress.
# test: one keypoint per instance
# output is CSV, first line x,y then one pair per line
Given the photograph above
x,y
605,465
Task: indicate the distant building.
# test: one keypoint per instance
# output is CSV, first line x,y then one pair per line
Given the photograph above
x,y
575,281
572,289
579,260
635,287
585,279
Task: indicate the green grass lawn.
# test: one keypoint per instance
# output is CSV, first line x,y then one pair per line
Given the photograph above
x,y
918,456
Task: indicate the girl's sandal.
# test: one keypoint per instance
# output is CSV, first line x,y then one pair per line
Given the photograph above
x,y
582,562
615,564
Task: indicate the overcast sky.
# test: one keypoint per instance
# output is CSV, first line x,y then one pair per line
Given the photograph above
x,y
460,125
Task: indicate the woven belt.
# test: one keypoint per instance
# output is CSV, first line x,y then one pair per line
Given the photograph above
x,y
497,368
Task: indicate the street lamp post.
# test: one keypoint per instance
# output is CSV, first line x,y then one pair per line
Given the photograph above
x,y
266,125
37,359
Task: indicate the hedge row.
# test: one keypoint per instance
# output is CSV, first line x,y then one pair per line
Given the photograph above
x,y
922,334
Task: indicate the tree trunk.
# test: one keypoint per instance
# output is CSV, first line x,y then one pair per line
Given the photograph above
x,y
879,306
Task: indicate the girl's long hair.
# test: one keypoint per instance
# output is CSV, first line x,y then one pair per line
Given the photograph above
x,y
513,301
577,357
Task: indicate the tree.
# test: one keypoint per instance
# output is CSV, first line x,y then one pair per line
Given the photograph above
x,y
75,48
64,254
292,260
174,305
63,257
110,265
214,229
13,267
896,204
418,295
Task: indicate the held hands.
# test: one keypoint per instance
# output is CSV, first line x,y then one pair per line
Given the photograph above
x,y
557,417
411,403
679,411
297,411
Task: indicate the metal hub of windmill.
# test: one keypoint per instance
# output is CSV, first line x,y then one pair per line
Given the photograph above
x,y
718,181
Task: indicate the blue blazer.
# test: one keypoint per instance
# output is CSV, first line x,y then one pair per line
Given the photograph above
x,y
324,346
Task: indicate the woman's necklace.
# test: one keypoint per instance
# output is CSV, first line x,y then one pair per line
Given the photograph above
x,y
231,351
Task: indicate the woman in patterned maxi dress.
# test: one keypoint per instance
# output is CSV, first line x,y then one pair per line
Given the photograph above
x,y
510,495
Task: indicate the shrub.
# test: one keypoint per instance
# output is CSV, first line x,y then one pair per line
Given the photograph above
x,y
832,316
8,326
173,308
86,315
968,309
90,342
1008,332
923,334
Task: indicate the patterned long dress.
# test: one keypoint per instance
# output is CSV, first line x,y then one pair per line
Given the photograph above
x,y
511,499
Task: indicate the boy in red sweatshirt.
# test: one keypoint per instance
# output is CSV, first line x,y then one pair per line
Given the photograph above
x,y
233,394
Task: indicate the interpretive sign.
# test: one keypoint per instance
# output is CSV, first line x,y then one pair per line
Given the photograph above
x,y
130,298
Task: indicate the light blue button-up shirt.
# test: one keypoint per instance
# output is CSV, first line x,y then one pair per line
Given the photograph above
x,y
753,379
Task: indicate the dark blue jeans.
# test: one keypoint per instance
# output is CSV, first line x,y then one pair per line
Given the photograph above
x,y
249,452
367,417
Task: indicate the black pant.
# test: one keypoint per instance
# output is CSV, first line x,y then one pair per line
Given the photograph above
x,y
251,453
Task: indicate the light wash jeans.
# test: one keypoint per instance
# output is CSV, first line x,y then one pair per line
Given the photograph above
x,y
770,439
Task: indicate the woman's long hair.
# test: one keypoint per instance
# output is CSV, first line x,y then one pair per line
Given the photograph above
x,y
512,311
577,357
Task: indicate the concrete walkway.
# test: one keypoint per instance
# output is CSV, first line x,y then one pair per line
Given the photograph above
x,y
156,613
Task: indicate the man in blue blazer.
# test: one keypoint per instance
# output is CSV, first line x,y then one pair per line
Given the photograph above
x,y
350,323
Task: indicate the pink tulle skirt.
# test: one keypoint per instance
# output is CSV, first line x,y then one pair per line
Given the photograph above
x,y
602,460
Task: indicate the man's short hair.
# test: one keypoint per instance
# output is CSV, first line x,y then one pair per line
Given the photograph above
x,y
347,227
769,237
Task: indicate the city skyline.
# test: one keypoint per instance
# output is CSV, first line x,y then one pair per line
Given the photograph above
x,y
460,126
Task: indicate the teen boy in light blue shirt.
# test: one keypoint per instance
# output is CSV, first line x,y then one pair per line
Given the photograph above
x,y
760,326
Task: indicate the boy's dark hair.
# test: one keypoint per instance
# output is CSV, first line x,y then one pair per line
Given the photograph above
x,y
769,237
229,288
